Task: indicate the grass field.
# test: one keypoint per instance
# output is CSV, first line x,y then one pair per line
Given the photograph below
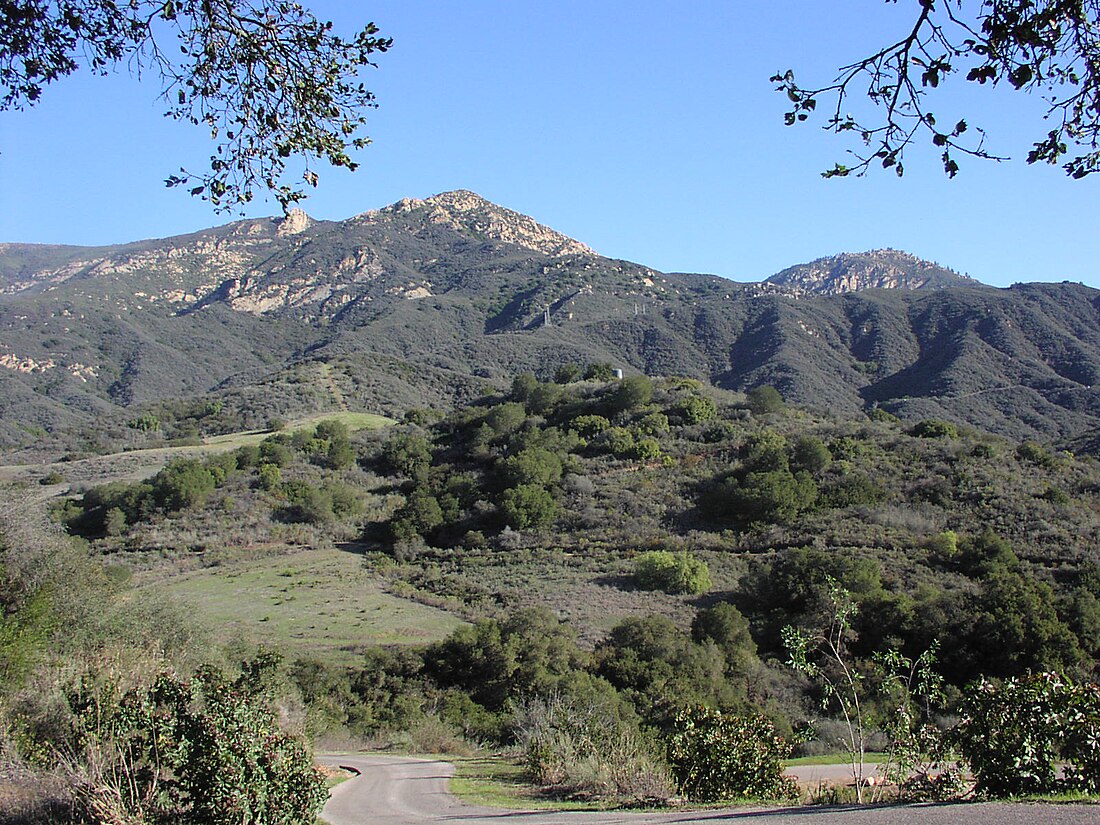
x,y
317,603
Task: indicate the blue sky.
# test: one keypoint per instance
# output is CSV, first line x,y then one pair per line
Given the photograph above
x,y
648,130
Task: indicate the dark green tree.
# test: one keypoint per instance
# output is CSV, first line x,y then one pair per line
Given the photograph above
x,y
632,393
659,667
408,453
764,399
725,625
567,374
522,386
599,372
533,465
183,483
809,453
528,506
528,653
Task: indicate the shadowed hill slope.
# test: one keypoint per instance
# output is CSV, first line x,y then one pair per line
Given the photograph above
x,y
428,302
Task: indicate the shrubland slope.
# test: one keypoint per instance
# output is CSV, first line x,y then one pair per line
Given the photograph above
x,y
430,303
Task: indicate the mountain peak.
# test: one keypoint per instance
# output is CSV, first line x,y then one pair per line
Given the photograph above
x,y
875,269
469,213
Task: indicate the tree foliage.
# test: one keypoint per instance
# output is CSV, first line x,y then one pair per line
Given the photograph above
x,y
206,750
716,756
672,572
266,78
1014,734
764,399
1045,47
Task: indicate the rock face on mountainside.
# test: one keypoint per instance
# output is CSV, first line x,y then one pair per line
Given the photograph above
x,y
877,269
429,302
474,216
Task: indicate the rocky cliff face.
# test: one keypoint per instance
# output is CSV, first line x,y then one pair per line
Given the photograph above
x,y
472,215
878,269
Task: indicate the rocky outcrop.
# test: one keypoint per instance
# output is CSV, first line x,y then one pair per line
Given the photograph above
x,y
877,269
471,214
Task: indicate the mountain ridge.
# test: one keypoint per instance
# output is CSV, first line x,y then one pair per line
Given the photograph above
x,y
430,302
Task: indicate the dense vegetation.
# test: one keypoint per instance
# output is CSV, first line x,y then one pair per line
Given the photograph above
x,y
686,536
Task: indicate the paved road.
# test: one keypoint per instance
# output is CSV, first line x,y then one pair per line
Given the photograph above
x,y
397,790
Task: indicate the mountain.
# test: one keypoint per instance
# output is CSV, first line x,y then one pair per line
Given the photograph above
x,y
878,269
431,302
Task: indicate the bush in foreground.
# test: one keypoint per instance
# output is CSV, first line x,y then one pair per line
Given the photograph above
x,y
716,756
204,751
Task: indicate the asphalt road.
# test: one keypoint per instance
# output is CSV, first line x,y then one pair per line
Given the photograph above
x,y
398,790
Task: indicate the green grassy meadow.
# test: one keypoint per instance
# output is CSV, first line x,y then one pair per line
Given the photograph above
x,y
317,603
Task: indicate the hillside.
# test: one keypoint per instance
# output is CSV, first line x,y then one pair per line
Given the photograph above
x,y
546,497
429,303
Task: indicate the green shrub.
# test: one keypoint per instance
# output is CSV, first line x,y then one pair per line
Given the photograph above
x,y
247,456
422,511
274,451
408,454
694,409
934,428
528,506
984,450
533,465
646,449
305,503
716,756
632,393
655,424
599,372
204,751
725,625
522,385
766,451
567,374
589,426
671,572
776,496
764,400
1035,454
543,398
1014,735
269,476
182,484
856,490
506,418
619,441
809,453
882,416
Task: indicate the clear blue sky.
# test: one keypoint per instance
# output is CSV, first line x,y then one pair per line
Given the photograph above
x,y
646,129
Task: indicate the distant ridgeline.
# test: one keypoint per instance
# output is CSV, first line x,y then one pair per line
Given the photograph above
x,y
429,303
